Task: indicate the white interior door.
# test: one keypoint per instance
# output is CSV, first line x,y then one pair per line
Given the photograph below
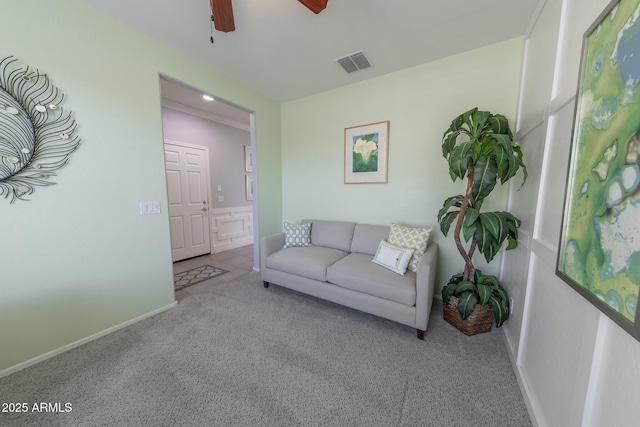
x,y
187,169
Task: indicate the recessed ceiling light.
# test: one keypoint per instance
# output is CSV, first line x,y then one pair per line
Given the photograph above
x,y
207,97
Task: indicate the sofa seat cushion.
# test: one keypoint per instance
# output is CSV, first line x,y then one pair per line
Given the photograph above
x,y
358,273
310,262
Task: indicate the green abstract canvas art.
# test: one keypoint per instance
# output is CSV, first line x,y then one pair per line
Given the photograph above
x,y
600,241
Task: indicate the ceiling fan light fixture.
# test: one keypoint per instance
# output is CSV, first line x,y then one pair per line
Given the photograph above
x,y
354,62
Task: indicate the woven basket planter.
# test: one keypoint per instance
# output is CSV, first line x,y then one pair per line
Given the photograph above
x,y
478,322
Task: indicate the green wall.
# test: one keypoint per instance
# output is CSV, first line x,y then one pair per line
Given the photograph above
x,y
79,258
420,103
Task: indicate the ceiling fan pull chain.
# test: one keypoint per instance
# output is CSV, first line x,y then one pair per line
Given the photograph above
x,y
211,39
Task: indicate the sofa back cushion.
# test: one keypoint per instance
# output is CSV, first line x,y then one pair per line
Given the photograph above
x,y
366,238
332,234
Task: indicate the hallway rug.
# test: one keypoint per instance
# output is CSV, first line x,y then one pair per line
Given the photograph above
x,y
196,275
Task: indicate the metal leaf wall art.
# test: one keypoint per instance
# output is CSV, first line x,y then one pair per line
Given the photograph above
x,y
37,135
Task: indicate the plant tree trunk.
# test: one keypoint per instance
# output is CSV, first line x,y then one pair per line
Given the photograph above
x,y
469,270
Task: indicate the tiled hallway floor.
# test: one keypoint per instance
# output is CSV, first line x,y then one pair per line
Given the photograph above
x,y
237,261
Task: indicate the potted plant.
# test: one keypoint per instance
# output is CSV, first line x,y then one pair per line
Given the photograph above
x,y
479,147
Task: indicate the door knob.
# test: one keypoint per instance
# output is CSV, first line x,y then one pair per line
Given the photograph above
x,y
204,209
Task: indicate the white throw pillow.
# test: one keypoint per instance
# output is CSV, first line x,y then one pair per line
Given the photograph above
x,y
297,235
392,257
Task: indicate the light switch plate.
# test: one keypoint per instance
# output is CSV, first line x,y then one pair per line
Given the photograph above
x,y
149,208
219,187
220,199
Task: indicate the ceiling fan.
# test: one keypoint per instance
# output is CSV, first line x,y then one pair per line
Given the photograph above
x,y
222,12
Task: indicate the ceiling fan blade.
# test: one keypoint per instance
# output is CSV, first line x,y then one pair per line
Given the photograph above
x,y
315,6
223,15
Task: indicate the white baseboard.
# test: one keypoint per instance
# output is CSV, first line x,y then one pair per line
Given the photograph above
x,y
82,341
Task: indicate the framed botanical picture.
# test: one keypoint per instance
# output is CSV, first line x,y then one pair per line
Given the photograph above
x,y
248,159
248,187
366,153
599,250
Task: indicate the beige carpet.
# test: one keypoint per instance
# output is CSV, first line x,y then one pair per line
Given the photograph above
x,y
241,354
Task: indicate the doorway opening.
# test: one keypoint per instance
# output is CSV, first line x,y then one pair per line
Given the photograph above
x,y
211,174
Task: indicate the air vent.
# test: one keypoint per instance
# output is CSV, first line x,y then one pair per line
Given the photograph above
x,y
354,62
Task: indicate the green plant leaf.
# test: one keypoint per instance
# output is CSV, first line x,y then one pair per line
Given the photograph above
x,y
513,224
467,118
489,281
476,151
488,146
447,220
454,201
499,124
493,229
496,223
448,142
470,223
500,310
500,293
471,216
459,159
484,293
484,238
513,221
505,158
456,278
466,303
449,289
447,292
501,157
522,165
484,178
481,118
465,286
456,123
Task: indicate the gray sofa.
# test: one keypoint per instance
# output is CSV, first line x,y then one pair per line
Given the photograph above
x,y
338,268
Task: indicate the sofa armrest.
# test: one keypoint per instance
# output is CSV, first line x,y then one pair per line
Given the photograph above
x,y
425,285
269,245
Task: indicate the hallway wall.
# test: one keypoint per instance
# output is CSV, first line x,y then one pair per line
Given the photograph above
x,y
226,153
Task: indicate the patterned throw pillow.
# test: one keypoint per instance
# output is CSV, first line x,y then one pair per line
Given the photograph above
x,y
297,235
416,239
392,257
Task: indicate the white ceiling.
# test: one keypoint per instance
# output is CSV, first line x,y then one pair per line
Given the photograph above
x,y
283,50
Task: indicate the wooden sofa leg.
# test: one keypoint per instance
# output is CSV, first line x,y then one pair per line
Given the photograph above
x,y
265,284
420,334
